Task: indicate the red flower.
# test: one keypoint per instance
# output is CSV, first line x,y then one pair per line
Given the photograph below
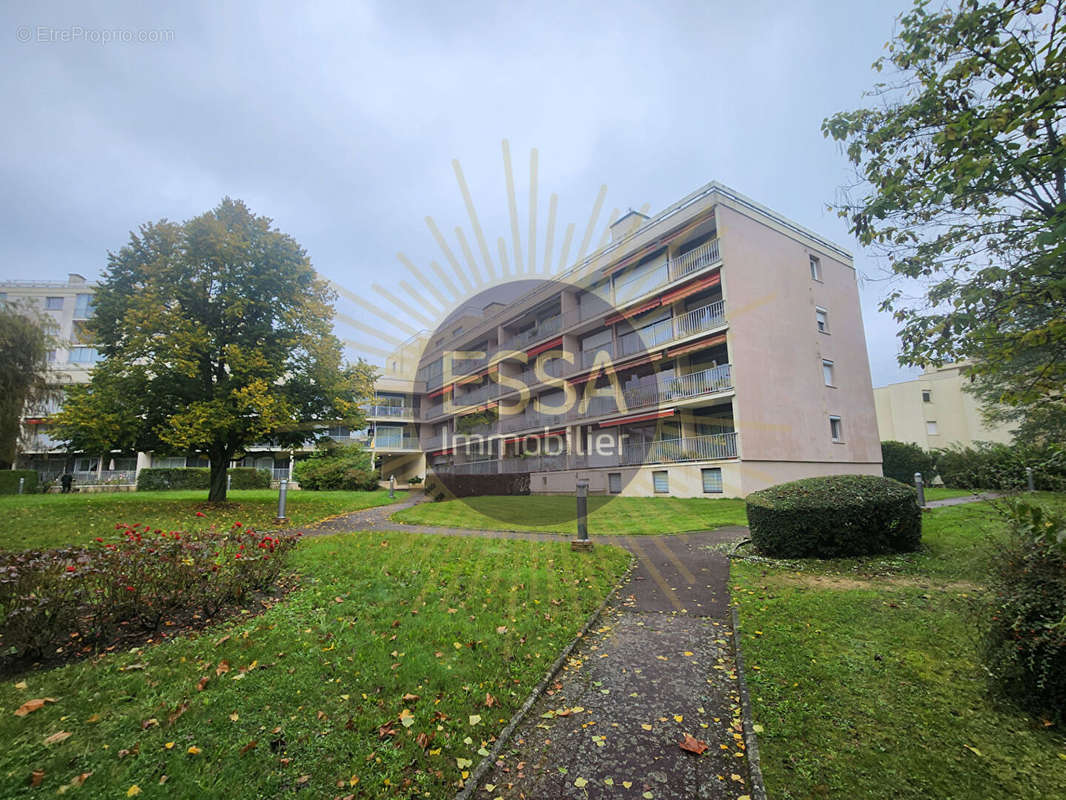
x,y
236,524
70,569
238,555
200,514
99,539
130,589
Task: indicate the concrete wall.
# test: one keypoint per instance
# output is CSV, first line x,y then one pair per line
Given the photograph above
x,y
783,406
903,416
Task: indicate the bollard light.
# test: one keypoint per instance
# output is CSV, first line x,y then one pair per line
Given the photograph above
x,y
229,482
392,486
1029,479
582,541
22,484
919,484
283,490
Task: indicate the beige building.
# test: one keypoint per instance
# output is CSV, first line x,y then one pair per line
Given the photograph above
x,y
934,411
727,342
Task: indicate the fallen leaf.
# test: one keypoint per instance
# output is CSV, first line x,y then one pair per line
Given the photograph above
x,y
234,717
409,698
193,750
203,683
490,701
501,630
580,783
423,741
133,791
33,705
407,719
22,686
222,668
973,750
222,640
693,745
78,780
463,763
250,746
36,777
475,719
56,738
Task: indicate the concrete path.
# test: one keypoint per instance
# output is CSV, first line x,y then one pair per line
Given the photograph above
x,y
958,501
660,666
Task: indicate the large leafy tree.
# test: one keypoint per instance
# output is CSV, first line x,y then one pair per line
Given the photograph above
x,y
24,377
216,333
962,189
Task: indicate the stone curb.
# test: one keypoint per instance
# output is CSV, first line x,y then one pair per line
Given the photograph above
x,y
751,745
486,763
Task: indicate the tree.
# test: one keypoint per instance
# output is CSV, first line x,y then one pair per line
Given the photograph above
x,y
24,378
215,333
964,170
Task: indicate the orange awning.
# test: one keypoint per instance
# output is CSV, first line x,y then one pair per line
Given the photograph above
x,y
546,346
637,418
706,282
701,344
632,312
440,391
541,435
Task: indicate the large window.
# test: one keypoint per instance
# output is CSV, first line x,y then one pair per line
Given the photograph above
x,y
84,355
83,306
712,480
53,303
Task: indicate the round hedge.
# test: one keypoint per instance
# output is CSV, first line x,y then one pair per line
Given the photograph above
x,y
835,516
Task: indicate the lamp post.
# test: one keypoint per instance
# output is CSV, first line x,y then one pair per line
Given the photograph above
x,y
919,484
582,542
283,490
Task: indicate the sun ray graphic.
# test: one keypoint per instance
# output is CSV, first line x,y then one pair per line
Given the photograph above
x,y
386,317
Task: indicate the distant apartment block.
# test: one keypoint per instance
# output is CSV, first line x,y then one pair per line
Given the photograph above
x,y
733,335
934,411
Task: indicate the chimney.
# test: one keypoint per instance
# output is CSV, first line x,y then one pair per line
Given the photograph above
x,y
74,279
627,224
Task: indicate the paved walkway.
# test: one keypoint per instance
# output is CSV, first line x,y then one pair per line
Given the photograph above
x,y
660,666
958,501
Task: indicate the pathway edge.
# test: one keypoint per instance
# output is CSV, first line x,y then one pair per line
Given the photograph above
x,y
751,745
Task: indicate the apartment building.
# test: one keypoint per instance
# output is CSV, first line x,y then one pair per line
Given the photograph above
x,y
67,307
713,349
935,411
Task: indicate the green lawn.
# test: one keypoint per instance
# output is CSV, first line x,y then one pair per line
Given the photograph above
x,y
865,682
940,493
57,520
312,679
607,515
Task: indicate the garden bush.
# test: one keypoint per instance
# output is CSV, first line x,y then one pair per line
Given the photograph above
x,y
140,578
163,478
9,480
900,460
349,467
1024,646
987,465
835,516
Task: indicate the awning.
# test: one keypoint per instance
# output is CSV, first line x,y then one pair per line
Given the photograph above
x,y
541,435
701,344
445,452
637,418
546,346
706,282
617,366
483,407
632,312
440,391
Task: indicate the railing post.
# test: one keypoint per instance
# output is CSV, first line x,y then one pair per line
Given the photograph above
x,y
283,490
582,541
920,486
1028,480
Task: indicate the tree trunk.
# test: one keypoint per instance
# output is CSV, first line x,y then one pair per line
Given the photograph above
x,y
217,490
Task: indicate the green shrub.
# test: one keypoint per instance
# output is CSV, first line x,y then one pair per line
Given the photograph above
x,y
1024,646
901,460
414,480
9,480
139,577
835,516
986,465
348,467
249,478
161,478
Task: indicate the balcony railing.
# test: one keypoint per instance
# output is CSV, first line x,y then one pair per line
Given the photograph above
x,y
542,330
696,384
696,259
711,447
395,412
699,319
387,442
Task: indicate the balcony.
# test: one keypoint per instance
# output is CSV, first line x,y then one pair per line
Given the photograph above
x,y
694,260
391,412
549,326
712,447
394,442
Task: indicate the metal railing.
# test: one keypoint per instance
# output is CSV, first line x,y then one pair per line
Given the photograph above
x,y
401,412
696,259
542,330
695,384
387,442
699,319
711,447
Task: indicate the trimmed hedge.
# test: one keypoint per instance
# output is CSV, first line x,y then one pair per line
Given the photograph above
x,y
835,516
9,480
454,485
348,468
900,460
165,478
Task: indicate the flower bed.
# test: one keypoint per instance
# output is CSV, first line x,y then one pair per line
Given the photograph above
x,y
138,580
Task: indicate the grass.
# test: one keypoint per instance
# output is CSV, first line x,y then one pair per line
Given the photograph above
x,y
59,520
607,515
871,665
312,679
940,493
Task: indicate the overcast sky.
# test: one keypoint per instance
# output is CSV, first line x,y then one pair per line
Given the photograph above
x,y
341,121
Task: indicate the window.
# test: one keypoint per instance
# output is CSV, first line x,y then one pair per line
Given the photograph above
x,y
930,427
836,429
614,482
84,355
712,480
168,462
51,356
661,481
827,372
823,319
53,303
83,306
927,395
816,269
